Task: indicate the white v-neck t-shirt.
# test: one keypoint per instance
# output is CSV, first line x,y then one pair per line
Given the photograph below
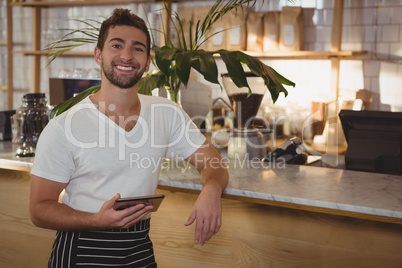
x,y
97,158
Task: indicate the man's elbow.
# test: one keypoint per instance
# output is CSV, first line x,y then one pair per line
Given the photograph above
x,y
225,177
35,218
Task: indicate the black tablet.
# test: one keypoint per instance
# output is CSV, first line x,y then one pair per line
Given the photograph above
x,y
154,200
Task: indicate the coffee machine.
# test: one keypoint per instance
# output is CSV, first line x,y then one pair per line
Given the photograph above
x,y
247,140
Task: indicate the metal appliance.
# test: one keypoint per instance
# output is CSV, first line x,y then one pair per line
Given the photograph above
x,y
289,150
61,89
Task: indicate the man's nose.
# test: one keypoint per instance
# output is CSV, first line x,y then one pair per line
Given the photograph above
x,y
126,53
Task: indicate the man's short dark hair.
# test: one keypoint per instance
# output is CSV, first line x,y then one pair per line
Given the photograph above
x,y
122,17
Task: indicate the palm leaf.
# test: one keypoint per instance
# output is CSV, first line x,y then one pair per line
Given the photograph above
x,y
64,106
183,66
67,42
150,82
234,67
207,66
147,84
179,32
174,63
163,58
270,79
60,51
217,11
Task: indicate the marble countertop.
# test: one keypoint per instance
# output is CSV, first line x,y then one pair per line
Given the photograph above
x,y
327,188
8,158
379,195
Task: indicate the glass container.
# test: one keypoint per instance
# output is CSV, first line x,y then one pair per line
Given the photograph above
x,y
32,118
245,105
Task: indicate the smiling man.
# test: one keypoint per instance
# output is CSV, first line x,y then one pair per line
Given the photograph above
x,y
86,152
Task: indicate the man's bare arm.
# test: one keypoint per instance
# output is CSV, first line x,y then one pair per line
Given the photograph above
x,y
207,210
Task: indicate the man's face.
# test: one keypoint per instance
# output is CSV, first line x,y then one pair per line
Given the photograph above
x,y
124,57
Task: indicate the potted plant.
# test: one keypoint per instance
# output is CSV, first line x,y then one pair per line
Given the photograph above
x,y
174,62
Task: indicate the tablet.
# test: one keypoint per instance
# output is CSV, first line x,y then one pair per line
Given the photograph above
x,y
154,200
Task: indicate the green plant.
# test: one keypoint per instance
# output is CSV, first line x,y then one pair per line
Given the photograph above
x,y
174,62
88,35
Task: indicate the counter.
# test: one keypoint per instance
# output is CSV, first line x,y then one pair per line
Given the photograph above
x,y
9,160
298,216
341,192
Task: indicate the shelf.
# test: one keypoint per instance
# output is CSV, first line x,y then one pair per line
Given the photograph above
x,y
44,53
78,3
265,55
306,54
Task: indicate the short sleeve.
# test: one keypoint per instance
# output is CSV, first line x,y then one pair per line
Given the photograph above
x,y
185,137
53,158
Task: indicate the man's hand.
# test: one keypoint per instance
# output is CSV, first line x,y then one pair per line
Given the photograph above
x,y
47,212
125,218
207,212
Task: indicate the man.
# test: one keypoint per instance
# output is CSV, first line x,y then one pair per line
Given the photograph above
x,y
87,152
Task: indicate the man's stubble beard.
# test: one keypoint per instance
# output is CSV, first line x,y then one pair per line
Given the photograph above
x,y
122,81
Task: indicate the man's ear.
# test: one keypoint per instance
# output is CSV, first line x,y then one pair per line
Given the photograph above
x,y
98,56
148,64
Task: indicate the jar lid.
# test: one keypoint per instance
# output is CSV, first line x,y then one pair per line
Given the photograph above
x,y
31,96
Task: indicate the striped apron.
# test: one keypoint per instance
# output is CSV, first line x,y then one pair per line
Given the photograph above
x,y
129,247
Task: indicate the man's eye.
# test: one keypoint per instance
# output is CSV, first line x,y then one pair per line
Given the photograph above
x,y
116,46
138,49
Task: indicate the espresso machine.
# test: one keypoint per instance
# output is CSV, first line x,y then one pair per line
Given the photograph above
x,y
247,141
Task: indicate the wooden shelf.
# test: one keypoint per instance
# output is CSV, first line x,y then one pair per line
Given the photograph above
x,y
78,3
306,54
266,55
44,53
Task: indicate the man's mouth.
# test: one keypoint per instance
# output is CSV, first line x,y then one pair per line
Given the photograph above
x,y
125,68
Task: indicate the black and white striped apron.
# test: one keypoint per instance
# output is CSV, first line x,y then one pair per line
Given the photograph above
x,y
129,247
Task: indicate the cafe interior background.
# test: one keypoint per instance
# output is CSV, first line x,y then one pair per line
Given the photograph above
x,y
371,30
301,215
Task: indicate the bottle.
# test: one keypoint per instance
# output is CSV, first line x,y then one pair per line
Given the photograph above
x,y
32,116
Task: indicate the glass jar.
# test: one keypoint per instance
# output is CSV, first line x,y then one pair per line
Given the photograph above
x,y
32,117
